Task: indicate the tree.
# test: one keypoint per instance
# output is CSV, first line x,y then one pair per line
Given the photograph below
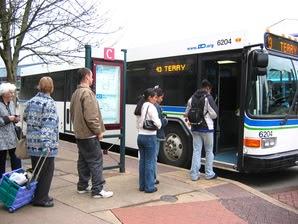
x,y
48,30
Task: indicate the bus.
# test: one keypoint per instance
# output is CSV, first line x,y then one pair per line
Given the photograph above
x,y
255,86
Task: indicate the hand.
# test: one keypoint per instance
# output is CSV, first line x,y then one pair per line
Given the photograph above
x,y
11,118
16,118
100,136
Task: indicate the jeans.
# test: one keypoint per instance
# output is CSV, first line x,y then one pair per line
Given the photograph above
x,y
90,164
147,146
200,138
15,162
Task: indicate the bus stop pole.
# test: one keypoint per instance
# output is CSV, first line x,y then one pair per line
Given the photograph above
x,y
88,60
122,132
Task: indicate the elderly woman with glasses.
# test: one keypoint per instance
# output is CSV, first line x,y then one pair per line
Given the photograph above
x,y
8,119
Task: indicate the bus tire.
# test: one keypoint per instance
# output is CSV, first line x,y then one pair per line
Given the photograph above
x,y
175,150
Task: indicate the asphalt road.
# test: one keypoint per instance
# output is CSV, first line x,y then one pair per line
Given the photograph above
x,y
266,182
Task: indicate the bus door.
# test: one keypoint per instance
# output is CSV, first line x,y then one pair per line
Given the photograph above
x,y
71,82
224,74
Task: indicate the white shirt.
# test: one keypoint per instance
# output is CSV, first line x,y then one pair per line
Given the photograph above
x,y
152,114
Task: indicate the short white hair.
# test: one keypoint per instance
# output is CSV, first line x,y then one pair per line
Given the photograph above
x,y
6,87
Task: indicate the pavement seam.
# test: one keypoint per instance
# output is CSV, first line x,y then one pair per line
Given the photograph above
x,y
159,200
261,195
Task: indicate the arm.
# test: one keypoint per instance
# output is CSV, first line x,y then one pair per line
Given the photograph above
x,y
49,124
187,109
212,108
92,113
153,114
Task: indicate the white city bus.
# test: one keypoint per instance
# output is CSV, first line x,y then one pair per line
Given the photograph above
x,y
254,84
255,87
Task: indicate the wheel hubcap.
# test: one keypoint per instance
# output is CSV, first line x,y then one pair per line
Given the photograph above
x,y
173,147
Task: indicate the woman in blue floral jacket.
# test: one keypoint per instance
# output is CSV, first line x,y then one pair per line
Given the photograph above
x,y
42,137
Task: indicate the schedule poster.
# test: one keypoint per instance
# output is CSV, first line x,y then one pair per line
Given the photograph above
x,y
108,92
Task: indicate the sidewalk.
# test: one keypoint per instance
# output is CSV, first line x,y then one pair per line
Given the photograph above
x,y
178,199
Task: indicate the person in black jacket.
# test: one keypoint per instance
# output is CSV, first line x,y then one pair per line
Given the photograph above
x,y
203,131
164,121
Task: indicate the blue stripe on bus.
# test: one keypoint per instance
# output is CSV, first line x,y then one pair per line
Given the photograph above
x,y
176,109
266,123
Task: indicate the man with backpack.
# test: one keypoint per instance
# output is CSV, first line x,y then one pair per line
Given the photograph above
x,y
201,110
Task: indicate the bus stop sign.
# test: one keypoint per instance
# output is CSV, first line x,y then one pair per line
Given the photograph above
x,y
109,54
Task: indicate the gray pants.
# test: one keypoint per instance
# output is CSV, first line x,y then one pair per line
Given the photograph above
x,y
90,164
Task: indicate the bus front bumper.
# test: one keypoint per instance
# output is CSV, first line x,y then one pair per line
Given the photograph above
x,y
254,164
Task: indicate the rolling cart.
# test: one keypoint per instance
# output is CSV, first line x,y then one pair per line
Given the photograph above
x,y
15,196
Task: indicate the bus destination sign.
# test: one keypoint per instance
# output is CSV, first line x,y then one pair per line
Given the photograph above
x,y
281,44
170,68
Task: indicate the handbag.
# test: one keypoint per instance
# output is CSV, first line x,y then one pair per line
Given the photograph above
x,y
149,124
21,148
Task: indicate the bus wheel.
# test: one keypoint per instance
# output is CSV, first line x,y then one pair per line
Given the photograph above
x,y
175,150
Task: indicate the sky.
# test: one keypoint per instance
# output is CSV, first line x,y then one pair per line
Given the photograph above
x,y
146,22
158,21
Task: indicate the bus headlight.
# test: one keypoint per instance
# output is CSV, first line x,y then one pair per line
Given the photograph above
x,y
268,142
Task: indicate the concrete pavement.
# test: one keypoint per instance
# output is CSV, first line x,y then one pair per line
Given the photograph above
x,y
178,199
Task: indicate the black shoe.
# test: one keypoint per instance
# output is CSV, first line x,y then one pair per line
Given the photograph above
x,y
156,181
212,178
46,204
154,190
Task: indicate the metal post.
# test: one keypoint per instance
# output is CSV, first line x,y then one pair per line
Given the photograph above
x,y
88,61
122,131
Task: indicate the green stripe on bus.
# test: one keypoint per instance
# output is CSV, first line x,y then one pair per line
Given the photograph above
x,y
174,113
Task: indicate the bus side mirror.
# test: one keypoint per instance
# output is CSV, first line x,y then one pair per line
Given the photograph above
x,y
260,62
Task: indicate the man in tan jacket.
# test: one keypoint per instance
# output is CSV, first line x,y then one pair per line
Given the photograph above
x,y
88,129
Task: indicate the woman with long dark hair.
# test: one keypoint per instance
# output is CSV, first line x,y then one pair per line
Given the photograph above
x,y
146,110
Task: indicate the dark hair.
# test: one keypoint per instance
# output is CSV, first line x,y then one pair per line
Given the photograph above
x,y
206,83
159,91
142,99
82,72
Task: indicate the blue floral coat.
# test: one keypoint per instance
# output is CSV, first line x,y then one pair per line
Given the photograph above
x,y
42,121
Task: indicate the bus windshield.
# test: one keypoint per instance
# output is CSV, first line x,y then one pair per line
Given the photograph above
x,y
275,94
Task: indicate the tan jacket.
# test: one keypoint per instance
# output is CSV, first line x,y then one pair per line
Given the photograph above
x,y
85,113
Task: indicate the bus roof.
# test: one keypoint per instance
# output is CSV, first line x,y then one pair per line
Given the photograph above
x,y
201,44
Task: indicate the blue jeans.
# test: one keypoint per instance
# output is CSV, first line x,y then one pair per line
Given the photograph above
x,y
147,145
200,138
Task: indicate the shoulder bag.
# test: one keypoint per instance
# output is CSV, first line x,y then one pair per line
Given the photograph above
x,y
148,124
21,148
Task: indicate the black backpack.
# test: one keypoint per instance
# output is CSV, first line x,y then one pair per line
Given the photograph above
x,y
196,111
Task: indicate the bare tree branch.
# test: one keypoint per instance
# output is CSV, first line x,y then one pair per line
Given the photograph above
x,y
50,31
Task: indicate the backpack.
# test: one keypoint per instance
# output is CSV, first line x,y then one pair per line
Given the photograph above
x,y
196,111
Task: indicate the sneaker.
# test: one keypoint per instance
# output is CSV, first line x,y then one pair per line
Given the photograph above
x,y
212,178
103,194
86,190
156,181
